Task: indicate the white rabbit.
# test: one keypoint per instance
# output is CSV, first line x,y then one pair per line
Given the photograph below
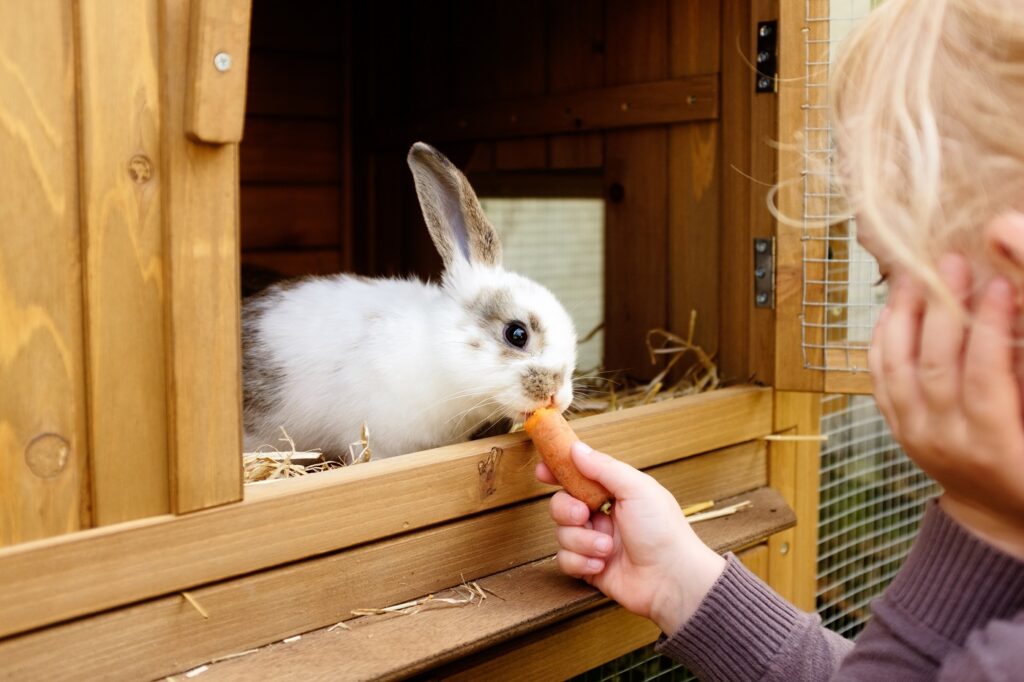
x,y
421,364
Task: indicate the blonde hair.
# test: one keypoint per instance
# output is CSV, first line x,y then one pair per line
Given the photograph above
x,y
928,114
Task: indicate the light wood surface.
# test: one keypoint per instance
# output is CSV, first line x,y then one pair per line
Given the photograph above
x,y
44,485
215,96
169,635
200,209
793,470
119,564
122,189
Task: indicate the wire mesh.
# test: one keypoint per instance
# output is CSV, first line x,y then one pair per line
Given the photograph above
x,y
641,665
841,301
558,242
871,501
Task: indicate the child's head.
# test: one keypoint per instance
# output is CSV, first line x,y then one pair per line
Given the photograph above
x,y
928,111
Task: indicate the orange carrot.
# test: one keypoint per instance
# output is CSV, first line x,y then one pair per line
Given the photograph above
x,y
553,437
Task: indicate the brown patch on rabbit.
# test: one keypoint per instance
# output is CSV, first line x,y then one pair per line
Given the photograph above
x,y
541,384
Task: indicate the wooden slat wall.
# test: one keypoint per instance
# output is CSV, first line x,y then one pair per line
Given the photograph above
x,y
43,478
663,181
122,186
291,162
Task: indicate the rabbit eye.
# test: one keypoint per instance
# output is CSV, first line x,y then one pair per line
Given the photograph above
x,y
516,335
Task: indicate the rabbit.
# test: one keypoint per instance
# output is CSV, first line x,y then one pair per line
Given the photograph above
x,y
423,364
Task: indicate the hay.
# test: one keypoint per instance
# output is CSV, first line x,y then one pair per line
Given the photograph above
x,y
268,463
461,595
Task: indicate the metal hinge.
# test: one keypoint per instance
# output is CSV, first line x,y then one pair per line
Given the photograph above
x,y
767,57
764,272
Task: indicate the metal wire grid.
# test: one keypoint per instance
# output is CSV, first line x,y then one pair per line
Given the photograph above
x,y
840,300
871,501
641,665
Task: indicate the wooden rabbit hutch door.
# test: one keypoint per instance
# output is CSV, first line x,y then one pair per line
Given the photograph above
x,y
154,146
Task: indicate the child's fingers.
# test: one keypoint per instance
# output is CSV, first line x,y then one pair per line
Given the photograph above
x,y
578,565
544,474
942,339
621,480
603,522
878,387
566,510
589,543
899,354
990,394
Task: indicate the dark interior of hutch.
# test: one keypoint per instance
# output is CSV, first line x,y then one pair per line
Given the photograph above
x,y
649,105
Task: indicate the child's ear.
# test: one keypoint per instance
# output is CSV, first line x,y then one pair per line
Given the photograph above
x,y
1004,240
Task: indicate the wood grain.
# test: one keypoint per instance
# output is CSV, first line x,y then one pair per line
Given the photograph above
x,y
793,470
735,279
636,241
42,363
523,153
694,182
575,45
122,190
290,151
169,635
585,150
636,41
108,567
200,212
215,97
620,106
289,216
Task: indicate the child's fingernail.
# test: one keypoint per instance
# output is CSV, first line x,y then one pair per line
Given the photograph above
x,y
580,512
594,564
603,545
581,448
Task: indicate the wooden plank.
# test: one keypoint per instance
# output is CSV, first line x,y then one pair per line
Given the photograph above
x,y
44,483
524,153
764,173
636,41
636,241
735,280
621,106
294,85
314,30
298,262
593,638
290,151
694,186
284,216
798,345
576,45
585,150
793,470
124,254
103,568
200,210
528,598
168,635
756,560
847,371
218,65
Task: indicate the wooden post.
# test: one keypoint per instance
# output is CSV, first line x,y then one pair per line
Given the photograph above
x,y
44,486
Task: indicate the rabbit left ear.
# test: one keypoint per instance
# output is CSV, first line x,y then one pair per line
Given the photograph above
x,y
455,219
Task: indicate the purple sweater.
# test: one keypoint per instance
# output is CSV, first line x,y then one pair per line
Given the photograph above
x,y
955,611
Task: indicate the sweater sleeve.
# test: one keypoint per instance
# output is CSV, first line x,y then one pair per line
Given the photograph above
x,y
743,630
951,585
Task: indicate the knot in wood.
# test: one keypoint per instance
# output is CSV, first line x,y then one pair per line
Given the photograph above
x,y
140,169
47,455
488,469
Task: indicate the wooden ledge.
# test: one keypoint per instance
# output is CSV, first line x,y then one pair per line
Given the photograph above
x,y
520,601
59,578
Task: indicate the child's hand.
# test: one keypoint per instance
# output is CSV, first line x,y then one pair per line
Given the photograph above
x,y
953,400
644,555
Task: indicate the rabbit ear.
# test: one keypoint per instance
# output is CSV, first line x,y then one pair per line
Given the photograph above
x,y
454,217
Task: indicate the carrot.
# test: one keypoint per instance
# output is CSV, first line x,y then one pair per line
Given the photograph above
x,y
553,437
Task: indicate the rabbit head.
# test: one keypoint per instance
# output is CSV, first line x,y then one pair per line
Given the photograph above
x,y
520,341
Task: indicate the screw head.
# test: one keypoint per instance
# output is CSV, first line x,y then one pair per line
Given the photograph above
x,y
762,57
761,246
222,61
765,30
760,273
762,298
784,548
764,82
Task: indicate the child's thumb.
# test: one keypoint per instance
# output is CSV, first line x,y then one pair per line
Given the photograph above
x,y
619,478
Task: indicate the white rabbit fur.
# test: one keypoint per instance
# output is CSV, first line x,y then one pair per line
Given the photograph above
x,y
422,364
